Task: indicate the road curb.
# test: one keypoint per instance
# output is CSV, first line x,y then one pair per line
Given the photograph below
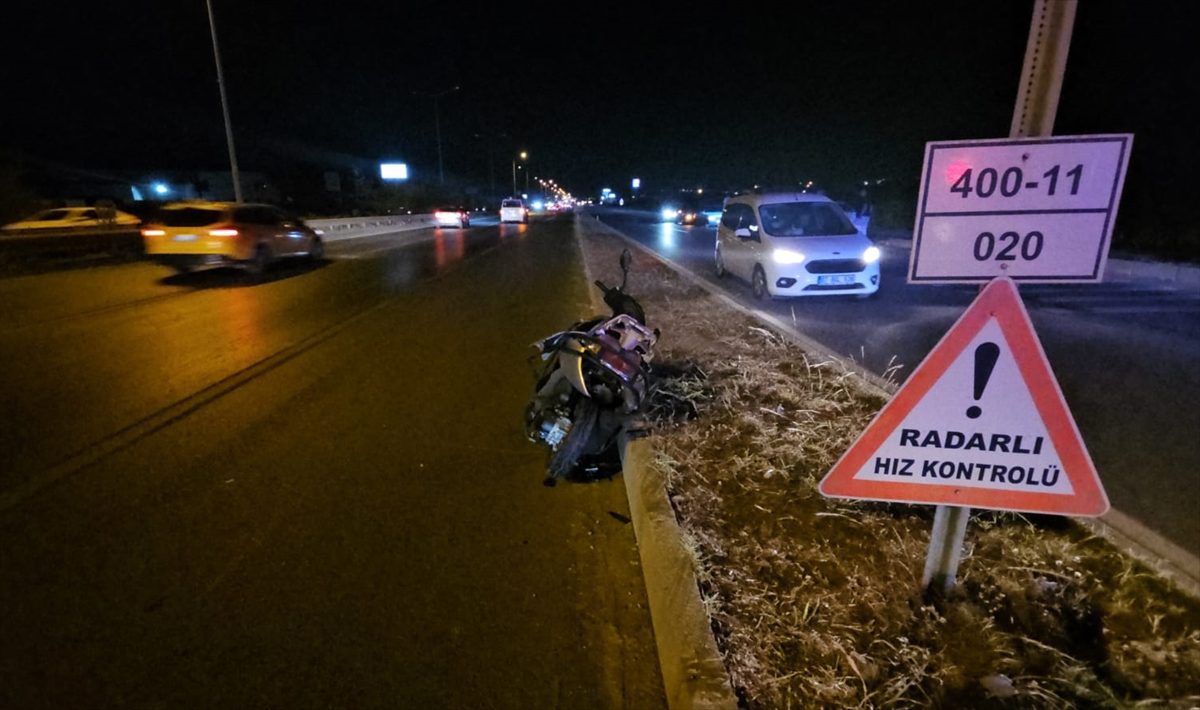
x,y
1132,537
693,672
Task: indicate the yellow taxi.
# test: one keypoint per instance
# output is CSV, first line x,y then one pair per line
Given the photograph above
x,y
188,235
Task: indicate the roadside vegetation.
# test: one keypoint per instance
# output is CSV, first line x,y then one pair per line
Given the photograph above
x,y
817,603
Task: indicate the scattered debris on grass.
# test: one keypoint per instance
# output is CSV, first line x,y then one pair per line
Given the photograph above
x,y
817,603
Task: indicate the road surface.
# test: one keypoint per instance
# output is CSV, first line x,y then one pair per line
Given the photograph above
x,y
309,492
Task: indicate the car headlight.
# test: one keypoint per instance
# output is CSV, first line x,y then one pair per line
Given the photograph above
x,y
871,255
787,256
668,213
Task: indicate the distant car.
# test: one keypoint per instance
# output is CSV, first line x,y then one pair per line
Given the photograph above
x,y
513,210
74,218
699,210
249,236
692,210
789,244
452,217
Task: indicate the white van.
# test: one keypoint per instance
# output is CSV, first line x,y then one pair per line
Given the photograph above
x,y
513,210
795,244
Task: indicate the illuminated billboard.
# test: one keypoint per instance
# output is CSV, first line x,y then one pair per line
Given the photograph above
x,y
393,171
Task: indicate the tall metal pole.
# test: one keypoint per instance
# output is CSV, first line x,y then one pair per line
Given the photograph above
x,y
233,166
437,129
1037,104
514,191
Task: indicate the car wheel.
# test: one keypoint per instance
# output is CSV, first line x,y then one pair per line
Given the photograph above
x,y
758,283
316,251
719,264
258,265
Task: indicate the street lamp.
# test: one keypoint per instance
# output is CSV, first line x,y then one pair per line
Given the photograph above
x,y
523,156
437,126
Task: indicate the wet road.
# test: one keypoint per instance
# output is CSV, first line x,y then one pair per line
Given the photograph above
x,y
310,492
1125,357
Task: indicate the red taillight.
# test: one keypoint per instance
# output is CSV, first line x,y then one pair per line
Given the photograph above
x,y
618,364
153,233
223,232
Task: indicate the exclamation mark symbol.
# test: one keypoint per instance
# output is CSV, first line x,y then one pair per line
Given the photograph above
x,y
985,361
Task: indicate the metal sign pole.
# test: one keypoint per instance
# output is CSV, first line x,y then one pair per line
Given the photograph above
x,y
1037,104
233,165
945,548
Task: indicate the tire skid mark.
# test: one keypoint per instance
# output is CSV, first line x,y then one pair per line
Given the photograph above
x,y
112,308
129,435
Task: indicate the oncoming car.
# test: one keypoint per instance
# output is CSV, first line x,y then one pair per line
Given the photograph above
x,y
513,210
452,217
788,244
74,218
249,236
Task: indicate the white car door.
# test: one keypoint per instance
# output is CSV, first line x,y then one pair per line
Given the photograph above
x,y
744,242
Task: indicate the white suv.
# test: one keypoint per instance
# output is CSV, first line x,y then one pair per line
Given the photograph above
x,y
795,244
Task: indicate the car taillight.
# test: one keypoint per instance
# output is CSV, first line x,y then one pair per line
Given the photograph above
x,y
223,232
153,232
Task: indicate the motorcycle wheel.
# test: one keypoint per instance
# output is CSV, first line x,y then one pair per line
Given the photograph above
x,y
563,461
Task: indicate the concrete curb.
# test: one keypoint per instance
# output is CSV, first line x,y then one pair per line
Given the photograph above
x,y
1155,551
693,672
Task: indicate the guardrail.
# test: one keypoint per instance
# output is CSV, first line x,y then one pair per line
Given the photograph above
x,y
350,227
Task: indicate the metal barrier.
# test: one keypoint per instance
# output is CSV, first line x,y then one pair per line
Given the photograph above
x,y
351,227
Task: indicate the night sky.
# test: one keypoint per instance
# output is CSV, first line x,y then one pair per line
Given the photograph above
x,y
597,93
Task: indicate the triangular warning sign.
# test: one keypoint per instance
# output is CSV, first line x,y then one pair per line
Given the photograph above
x,y
980,423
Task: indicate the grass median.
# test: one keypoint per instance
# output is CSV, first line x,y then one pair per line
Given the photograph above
x,y
818,603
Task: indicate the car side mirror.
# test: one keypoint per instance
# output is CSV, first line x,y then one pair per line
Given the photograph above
x,y
745,233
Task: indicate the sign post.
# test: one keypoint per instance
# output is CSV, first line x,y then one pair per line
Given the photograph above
x,y
1042,72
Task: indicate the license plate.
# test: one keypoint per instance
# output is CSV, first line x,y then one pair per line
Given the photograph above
x,y
185,237
837,280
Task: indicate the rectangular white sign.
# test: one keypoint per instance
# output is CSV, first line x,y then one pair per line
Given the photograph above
x,y
1034,209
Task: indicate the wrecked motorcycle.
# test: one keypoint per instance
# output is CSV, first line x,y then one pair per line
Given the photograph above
x,y
593,384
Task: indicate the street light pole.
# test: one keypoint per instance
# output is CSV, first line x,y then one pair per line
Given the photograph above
x,y
233,166
523,156
437,126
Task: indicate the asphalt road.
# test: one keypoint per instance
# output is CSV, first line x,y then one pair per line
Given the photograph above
x,y
309,492
1125,357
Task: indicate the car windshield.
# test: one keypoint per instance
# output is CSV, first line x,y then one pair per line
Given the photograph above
x,y
511,203
190,217
805,219
50,215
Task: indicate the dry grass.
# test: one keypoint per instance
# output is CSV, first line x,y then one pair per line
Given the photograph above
x,y
817,602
